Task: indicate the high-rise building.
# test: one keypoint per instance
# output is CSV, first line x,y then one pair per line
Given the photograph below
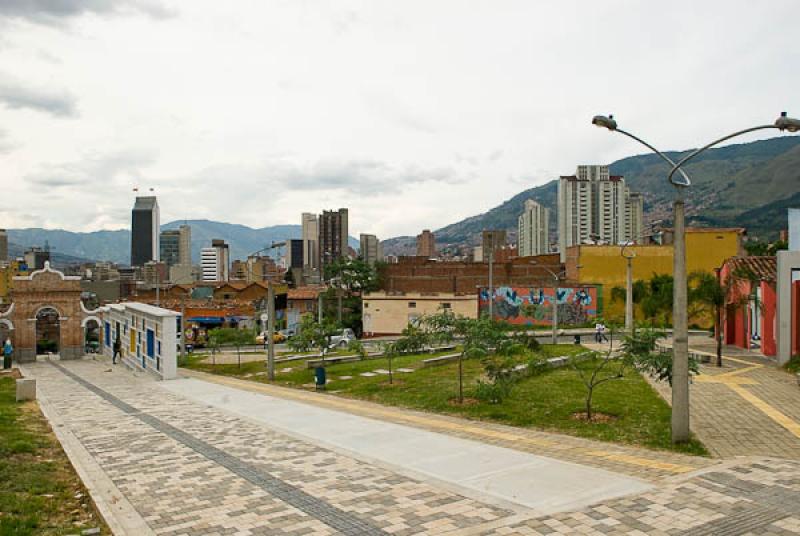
x,y
491,241
371,249
145,231
634,216
295,257
333,235
595,207
426,244
533,230
175,246
185,245
215,261
169,246
3,245
310,239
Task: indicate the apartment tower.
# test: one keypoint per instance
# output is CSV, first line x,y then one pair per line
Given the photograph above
x,y
371,249
215,261
333,235
596,207
426,244
533,230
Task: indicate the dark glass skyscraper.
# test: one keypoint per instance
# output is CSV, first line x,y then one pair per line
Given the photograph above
x,y
145,232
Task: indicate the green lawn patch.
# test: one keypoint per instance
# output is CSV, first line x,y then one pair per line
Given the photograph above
x,y
39,490
793,366
546,401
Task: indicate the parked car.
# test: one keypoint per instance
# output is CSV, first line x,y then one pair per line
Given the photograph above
x,y
342,338
277,337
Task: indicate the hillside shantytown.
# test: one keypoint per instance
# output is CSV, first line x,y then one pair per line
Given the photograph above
x,y
364,269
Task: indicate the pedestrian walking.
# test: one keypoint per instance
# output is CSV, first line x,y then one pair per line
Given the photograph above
x,y
598,332
117,350
603,337
8,351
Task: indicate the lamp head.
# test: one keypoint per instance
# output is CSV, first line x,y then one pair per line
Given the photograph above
x,y
787,123
605,121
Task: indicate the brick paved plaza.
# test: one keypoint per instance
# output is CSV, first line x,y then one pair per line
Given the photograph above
x,y
160,462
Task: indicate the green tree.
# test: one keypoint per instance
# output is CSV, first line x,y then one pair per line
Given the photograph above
x,y
478,337
311,334
657,299
640,348
352,277
232,337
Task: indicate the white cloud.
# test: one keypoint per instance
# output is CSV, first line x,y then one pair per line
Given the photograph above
x,y
412,114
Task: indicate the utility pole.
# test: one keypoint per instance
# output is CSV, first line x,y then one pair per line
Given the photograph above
x,y
555,310
491,276
680,336
271,331
629,296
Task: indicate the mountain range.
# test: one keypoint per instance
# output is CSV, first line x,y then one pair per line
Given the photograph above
x,y
70,247
744,185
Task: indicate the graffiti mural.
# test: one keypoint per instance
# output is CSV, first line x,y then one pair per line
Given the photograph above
x,y
533,306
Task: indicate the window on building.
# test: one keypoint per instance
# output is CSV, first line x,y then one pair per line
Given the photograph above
x,y
366,305
412,305
446,306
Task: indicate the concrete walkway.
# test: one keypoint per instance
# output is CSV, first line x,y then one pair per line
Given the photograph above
x,y
166,458
747,407
490,473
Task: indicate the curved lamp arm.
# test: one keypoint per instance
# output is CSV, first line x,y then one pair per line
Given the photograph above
x,y
687,181
682,161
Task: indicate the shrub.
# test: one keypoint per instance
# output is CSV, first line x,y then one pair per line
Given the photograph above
x,y
493,392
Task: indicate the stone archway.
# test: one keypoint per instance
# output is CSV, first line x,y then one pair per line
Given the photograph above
x,y
6,330
42,290
48,330
92,334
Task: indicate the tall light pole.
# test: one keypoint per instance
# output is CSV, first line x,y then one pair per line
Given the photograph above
x,y
491,275
557,277
680,334
629,280
270,314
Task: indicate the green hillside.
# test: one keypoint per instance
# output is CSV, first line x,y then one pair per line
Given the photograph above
x,y
749,185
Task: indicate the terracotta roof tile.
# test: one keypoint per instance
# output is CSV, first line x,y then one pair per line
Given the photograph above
x,y
764,268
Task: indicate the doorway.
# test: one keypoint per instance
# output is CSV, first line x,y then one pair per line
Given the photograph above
x,y
48,331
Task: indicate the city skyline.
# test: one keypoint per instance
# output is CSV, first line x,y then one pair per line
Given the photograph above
x,y
106,127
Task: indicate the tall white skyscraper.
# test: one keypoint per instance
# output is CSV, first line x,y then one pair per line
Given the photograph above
x,y
596,207
215,261
533,230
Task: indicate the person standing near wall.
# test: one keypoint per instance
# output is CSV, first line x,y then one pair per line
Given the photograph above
x,y
117,351
8,351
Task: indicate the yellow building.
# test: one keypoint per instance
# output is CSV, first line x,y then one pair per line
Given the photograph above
x,y
7,273
388,313
706,249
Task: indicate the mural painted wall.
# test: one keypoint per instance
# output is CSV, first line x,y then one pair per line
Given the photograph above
x,y
533,306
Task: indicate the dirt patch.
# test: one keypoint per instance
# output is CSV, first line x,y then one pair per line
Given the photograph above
x,y
597,417
13,373
468,401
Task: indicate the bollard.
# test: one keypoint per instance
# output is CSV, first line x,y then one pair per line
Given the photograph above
x,y
26,389
319,378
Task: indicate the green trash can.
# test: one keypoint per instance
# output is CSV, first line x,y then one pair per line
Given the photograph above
x,y
319,377
7,361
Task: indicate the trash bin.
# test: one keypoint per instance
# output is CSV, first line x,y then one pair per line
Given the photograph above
x,y
577,339
7,361
319,377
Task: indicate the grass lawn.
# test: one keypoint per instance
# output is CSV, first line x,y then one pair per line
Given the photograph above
x,y
39,490
547,401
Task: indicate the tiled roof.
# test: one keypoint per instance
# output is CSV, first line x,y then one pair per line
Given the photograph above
x,y
763,268
304,293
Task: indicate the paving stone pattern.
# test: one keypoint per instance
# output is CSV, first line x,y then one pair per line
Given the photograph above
x,y
191,469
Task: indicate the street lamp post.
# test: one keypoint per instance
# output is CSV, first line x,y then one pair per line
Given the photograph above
x,y
491,276
680,335
628,288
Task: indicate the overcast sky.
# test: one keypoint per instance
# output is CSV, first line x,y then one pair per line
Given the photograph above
x,y
412,114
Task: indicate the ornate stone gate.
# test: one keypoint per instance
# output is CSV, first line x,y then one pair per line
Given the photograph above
x,y
43,290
